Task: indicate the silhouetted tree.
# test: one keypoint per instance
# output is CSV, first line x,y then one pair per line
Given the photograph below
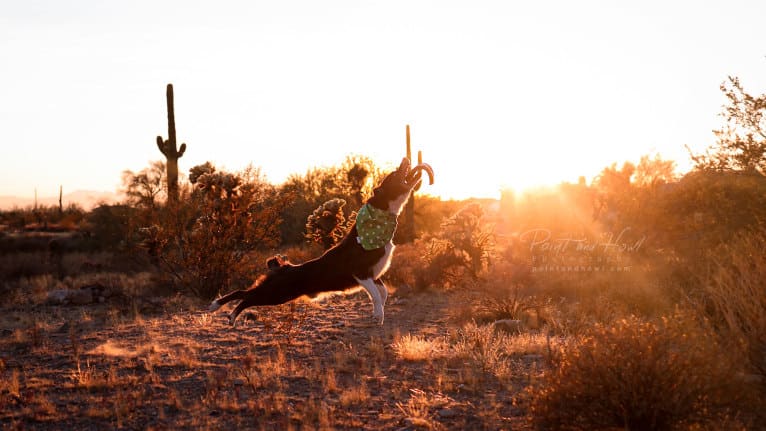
x,y
741,144
146,187
654,171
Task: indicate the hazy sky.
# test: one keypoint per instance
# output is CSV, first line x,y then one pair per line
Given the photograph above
x,y
497,92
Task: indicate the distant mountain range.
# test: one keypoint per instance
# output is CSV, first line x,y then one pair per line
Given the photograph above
x,y
85,198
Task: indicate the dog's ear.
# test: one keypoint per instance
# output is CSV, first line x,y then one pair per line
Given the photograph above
x,y
276,261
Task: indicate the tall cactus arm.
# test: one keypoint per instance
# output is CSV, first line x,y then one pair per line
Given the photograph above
x,y
163,146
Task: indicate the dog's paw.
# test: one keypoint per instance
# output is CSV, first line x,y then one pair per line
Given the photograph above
x,y
215,305
378,318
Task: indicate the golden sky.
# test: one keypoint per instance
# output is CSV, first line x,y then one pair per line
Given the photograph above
x,y
498,93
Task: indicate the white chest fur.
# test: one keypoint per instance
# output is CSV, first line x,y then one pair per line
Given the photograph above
x,y
382,265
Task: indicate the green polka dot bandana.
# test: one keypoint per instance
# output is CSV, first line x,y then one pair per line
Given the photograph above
x,y
375,227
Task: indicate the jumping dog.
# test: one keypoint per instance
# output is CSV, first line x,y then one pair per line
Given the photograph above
x,y
360,258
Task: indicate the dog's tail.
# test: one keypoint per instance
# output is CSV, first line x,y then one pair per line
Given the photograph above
x,y
218,303
272,264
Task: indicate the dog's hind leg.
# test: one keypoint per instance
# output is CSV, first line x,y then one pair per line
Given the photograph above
x,y
237,294
383,291
377,304
246,303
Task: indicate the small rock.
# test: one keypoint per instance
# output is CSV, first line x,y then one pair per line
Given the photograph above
x,y
80,297
446,413
57,296
66,296
95,288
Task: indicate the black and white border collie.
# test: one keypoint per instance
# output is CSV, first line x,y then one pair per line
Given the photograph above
x,y
345,266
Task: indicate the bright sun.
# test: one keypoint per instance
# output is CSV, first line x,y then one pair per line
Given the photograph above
x,y
461,179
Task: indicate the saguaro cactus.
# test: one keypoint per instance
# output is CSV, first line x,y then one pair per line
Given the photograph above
x,y
168,148
406,230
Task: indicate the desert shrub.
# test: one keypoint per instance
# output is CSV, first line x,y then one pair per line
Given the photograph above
x,y
407,265
327,224
734,296
203,240
635,374
111,226
705,209
461,250
430,213
23,264
50,218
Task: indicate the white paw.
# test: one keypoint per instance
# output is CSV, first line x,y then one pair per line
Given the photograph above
x,y
214,306
378,316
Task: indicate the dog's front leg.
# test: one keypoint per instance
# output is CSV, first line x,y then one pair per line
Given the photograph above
x,y
377,303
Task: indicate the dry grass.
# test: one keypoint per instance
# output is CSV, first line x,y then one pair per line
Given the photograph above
x,y
635,374
354,395
485,349
735,294
418,348
302,366
420,409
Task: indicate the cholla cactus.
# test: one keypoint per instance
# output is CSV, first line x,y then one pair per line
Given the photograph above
x,y
204,241
327,225
214,183
462,247
199,170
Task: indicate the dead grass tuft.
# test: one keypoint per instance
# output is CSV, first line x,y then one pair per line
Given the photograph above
x,y
418,348
485,348
355,395
419,410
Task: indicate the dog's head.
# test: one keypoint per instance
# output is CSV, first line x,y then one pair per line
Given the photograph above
x,y
393,191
